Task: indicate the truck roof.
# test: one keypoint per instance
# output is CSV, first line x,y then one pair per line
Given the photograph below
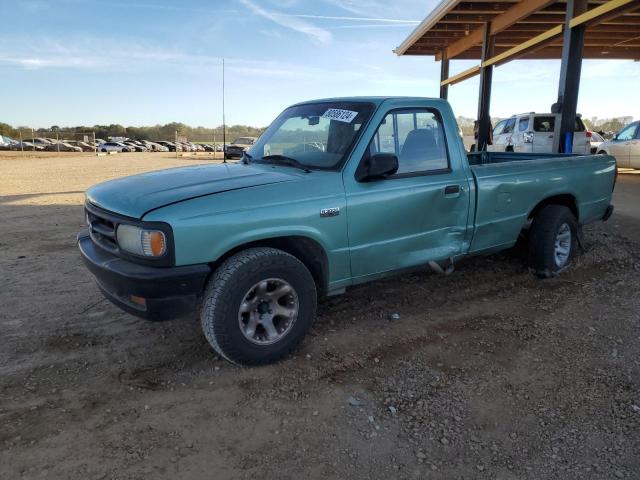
x,y
371,99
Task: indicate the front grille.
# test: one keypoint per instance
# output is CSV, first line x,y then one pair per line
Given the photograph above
x,y
102,230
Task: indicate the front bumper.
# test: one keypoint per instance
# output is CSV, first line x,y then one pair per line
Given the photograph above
x,y
154,293
607,214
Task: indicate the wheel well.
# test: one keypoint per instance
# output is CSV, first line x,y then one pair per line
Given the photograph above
x,y
602,152
566,200
308,251
509,148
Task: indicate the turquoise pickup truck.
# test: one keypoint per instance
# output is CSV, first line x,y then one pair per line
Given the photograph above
x,y
335,193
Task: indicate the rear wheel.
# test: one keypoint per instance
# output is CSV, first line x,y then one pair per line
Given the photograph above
x,y
258,306
553,241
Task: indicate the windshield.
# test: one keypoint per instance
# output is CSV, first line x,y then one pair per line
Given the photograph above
x,y
316,135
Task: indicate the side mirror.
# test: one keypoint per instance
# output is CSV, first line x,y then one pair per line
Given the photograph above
x,y
377,166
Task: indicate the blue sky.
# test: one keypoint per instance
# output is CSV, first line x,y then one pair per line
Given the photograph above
x,y
142,62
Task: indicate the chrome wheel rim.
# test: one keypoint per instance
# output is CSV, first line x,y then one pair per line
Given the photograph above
x,y
268,311
562,245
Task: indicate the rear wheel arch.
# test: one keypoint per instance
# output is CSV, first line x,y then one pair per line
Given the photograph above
x,y
565,199
305,249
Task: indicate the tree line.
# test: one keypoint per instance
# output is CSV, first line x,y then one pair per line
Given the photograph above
x,y
151,133
204,134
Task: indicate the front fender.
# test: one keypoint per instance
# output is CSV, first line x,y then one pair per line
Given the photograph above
x,y
207,228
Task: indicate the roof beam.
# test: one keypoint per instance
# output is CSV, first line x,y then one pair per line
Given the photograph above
x,y
523,47
613,6
468,73
498,23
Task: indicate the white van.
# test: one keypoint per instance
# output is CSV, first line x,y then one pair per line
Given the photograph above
x,y
533,133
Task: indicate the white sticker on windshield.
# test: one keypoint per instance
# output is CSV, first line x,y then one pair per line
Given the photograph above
x,y
340,115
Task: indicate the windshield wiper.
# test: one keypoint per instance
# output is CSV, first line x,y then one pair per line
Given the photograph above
x,y
283,159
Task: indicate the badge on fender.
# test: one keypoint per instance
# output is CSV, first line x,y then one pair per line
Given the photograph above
x,y
330,212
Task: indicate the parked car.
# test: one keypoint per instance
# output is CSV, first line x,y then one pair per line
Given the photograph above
x,y
170,145
45,143
85,147
534,132
24,145
114,147
595,140
256,243
63,147
5,142
624,146
158,147
208,147
238,147
135,147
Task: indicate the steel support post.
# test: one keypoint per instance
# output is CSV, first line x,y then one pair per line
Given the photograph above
x,y
569,85
484,100
444,74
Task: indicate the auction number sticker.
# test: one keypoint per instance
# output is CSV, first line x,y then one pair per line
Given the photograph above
x,y
340,115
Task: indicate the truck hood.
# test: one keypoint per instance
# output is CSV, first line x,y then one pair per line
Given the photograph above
x,y
137,195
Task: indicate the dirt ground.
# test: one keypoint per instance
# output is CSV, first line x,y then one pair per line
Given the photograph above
x,y
488,373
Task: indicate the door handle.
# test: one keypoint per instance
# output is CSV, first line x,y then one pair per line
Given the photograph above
x,y
451,189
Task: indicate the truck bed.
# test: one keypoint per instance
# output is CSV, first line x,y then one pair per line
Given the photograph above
x,y
508,185
485,158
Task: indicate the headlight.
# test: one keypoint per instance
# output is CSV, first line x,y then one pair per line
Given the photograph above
x,y
139,241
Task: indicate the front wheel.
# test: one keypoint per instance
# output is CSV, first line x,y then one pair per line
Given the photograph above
x,y
258,306
552,241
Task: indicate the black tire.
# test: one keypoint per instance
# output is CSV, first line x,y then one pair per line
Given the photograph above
x,y
104,150
226,290
509,149
544,231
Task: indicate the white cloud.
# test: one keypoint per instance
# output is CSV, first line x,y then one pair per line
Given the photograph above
x,y
357,19
318,34
390,9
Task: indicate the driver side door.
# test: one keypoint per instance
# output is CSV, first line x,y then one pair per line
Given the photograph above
x,y
417,214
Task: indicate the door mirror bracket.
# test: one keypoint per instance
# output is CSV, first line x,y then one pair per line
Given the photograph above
x,y
377,167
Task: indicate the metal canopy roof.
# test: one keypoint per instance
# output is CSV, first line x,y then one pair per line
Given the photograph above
x,y
529,29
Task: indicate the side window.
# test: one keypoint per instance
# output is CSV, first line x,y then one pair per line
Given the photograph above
x,y
627,133
509,126
499,127
544,124
579,126
523,125
416,137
